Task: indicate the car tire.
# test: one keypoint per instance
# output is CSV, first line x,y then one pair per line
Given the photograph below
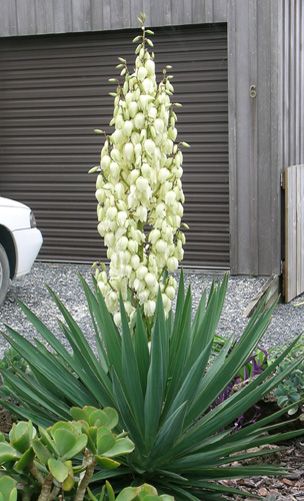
x,y
4,274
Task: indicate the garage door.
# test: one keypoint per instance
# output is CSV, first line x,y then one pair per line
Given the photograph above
x,y
54,92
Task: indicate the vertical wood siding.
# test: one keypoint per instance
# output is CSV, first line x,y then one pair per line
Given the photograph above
x,y
31,17
254,172
292,81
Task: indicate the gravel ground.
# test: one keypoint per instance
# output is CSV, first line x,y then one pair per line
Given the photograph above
x,y
287,322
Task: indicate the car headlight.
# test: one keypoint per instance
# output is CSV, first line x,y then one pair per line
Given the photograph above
x,y
32,220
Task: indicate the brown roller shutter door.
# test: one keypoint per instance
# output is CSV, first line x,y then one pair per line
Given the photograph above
x,y
54,92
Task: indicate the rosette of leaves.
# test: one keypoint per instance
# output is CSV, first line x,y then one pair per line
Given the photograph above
x,y
164,390
46,462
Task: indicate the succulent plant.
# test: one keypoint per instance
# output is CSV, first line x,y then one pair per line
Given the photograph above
x,y
48,461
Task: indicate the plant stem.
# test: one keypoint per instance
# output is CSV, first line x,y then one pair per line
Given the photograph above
x,y
46,488
36,474
82,487
54,492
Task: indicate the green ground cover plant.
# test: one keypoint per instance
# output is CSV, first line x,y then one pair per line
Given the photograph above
x,y
291,389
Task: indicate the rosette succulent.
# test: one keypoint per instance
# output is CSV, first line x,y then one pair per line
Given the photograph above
x,y
139,189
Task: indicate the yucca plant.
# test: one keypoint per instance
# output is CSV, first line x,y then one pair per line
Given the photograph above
x,y
164,390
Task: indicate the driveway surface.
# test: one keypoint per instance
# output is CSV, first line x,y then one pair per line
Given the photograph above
x,y
287,322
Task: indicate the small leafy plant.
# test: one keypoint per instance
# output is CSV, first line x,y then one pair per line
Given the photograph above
x,y
144,492
12,360
42,463
291,389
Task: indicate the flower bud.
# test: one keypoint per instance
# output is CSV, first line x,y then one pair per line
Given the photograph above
x,y
117,319
134,174
142,184
144,101
152,113
170,292
132,107
170,198
139,120
150,67
142,213
119,190
129,151
149,146
100,195
141,73
141,272
135,262
111,213
160,211
168,146
149,308
121,218
109,239
159,125
115,155
154,236
114,169
127,128
99,181
129,97
101,228
133,247
172,264
172,133
117,137
122,244
105,162
163,175
161,246
119,121
143,296
148,86
150,280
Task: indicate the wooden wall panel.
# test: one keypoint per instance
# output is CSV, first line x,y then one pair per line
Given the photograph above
x,y
292,82
254,173
294,232
30,17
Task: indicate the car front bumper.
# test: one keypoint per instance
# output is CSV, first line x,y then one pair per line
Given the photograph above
x,y
27,244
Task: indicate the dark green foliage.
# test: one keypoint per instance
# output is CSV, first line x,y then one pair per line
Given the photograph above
x,y
164,393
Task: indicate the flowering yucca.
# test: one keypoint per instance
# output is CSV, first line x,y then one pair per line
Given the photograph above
x,y
139,189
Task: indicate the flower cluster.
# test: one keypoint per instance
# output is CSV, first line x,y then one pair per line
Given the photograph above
x,y
139,189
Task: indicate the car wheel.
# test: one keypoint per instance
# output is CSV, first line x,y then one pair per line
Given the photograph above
x,y
4,274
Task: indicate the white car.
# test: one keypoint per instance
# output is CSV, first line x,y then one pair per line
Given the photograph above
x,y
20,242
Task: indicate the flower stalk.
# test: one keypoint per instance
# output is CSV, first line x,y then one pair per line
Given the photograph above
x,y
139,189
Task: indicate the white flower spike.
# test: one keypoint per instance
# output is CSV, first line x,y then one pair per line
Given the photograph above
x,y
139,190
